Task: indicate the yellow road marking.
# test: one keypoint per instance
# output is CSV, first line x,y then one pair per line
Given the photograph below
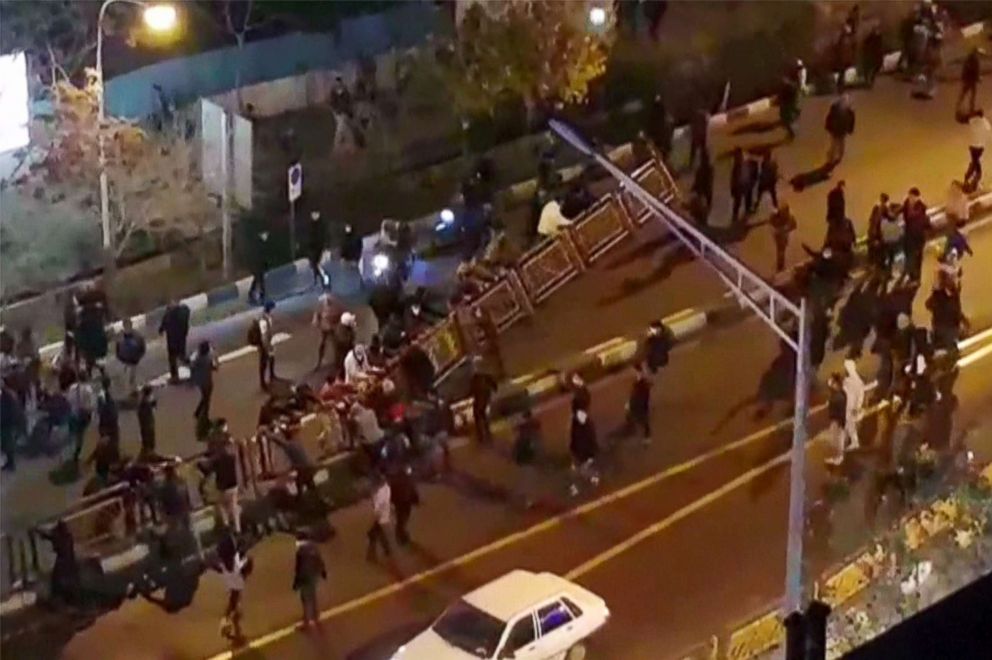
x,y
557,521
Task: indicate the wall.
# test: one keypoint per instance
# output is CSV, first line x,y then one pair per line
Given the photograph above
x,y
187,79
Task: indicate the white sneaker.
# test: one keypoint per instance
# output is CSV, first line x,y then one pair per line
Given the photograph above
x,y
573,490
853,446
834,460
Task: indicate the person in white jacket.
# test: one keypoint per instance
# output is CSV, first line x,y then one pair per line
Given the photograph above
x,y
356,365
552,221
980,139
382,516
854,390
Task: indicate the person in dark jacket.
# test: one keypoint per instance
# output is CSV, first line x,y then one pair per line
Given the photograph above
x,y
698,134
481,388
175,326
702,183
946,316
351,246
788,106
130,351
403,492
768,177
259,265
94,314
639,404
739,183
108,422
839,125
581,397
584,448
971,75
65,584
223,465
146,420
316,244
661,127
201,374
657,346
836,203
872,56
917,227
308,572
173,497
11,425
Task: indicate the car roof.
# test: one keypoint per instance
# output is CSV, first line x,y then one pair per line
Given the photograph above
x,y
519,590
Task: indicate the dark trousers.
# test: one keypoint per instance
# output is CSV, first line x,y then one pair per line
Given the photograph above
x,y
203,407
639,420
256,291
772,192
974,172
266,364
738,201
177,356
325,336
403,512
968,89
308,599
318,273
696,146
914,257
480,417
781,243
377,537
77,428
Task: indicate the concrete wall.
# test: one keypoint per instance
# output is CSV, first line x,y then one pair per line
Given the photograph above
x,y
187,79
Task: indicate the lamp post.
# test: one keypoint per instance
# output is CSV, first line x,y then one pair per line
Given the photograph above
x,y
160,18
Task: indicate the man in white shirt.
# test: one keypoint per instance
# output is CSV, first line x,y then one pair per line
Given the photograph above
x,y
552,221
980,132
382,516
356,365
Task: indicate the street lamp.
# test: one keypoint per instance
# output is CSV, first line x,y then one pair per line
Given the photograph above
x,y
160,18
597,16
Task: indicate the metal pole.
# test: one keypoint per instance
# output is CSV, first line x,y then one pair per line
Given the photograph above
x,y
797,476
225,203
292,230
101,116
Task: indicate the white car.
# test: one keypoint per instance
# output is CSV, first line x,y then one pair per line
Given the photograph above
x,y
522,615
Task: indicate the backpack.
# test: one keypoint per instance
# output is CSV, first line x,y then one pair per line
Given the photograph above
x,y
254,334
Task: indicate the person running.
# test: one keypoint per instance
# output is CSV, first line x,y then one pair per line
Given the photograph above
x,y
308,573
233,566
382,516
584,448
404,496
201,373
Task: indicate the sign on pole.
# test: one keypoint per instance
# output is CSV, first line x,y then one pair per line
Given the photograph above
x,y
295,181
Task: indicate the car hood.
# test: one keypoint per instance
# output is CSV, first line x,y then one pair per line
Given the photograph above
x,y
428,645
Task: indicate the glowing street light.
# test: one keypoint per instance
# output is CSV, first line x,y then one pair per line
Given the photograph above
x,y
597,16
160,18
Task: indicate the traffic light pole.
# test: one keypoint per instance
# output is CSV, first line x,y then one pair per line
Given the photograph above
x,y
769,305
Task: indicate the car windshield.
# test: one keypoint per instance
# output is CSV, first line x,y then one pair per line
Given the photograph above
x,y
470,629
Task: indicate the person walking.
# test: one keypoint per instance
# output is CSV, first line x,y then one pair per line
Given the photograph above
x,y
584,449
130,351
259,265
234,566
854,399
382,516
702,182
836,203
176,509
892,234
325,319
971,75
404,496
876,248
917,226
739,184
316,244
223,465
639,404
839,125
979,138
837,414
872,56
788,106
201,374
307,574
698,134
525,446
783,223
175,326
82,404
260,336
146,421
94,315
768,176
661,127
946,317
657,346
481,387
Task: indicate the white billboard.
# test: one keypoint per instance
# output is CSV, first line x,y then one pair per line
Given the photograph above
x,y
14,113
